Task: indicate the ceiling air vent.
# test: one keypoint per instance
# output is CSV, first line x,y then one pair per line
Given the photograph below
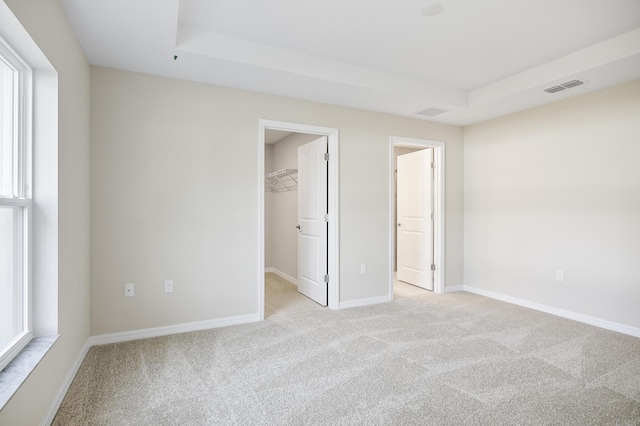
x,y
431,112
554,89
572,83
565,85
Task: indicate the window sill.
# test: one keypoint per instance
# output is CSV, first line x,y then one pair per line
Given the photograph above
x,y
17,371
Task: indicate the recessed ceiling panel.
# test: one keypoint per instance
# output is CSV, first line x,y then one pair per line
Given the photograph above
x,y
475,59
470,44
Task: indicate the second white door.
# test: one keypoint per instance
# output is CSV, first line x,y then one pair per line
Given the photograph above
x,y
312,224
414,227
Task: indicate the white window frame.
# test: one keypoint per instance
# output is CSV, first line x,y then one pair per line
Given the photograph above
x,y
21,199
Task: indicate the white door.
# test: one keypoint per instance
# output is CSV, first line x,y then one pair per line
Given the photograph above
x,y
312,227
414,227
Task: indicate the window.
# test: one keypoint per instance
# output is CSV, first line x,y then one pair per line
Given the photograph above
x,y
15,204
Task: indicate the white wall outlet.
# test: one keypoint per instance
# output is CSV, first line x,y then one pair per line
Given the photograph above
x,y
363,268
559,275
168,286
128,290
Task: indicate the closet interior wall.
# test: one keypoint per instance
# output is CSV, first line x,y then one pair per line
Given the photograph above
x,y
268,209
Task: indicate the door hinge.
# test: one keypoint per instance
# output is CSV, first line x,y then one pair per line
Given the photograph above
x,y
326,156
433,165
326,217
326,278
433,266
433,216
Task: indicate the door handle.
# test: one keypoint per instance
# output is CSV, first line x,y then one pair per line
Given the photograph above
x,y
298,226
399,224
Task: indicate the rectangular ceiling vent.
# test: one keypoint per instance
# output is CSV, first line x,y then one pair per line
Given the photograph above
x,y
431,112
572,83
554,89
565,85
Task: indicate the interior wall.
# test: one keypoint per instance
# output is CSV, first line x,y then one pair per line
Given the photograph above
x,y
558,188
47,25
174,182
284,243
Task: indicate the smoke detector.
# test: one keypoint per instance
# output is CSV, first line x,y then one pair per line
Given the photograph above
x,y
431,112
433,9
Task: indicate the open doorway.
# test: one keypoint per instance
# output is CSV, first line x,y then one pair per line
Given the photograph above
x,y
423,161
280,229
281,202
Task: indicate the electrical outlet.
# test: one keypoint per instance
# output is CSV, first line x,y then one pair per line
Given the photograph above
x,y
128,290
559,275
363,268
168,286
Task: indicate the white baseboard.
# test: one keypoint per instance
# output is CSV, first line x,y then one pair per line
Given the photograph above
x,y
55,405
125,336
453,288
364,302
609,325
281,275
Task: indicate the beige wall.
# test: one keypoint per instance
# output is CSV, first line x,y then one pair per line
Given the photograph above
x,y
174,181
558,188
47,25
283,246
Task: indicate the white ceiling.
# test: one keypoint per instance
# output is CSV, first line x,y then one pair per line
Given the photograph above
x,y
477,59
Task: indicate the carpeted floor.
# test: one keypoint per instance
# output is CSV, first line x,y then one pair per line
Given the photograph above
x,y
425,359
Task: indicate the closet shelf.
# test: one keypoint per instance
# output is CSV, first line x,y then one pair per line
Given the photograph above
x,y
281,180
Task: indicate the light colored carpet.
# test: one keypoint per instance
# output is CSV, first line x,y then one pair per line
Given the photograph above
x,y
425,359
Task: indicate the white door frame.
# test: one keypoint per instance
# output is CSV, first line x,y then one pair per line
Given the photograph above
x,y
333,191
438,189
